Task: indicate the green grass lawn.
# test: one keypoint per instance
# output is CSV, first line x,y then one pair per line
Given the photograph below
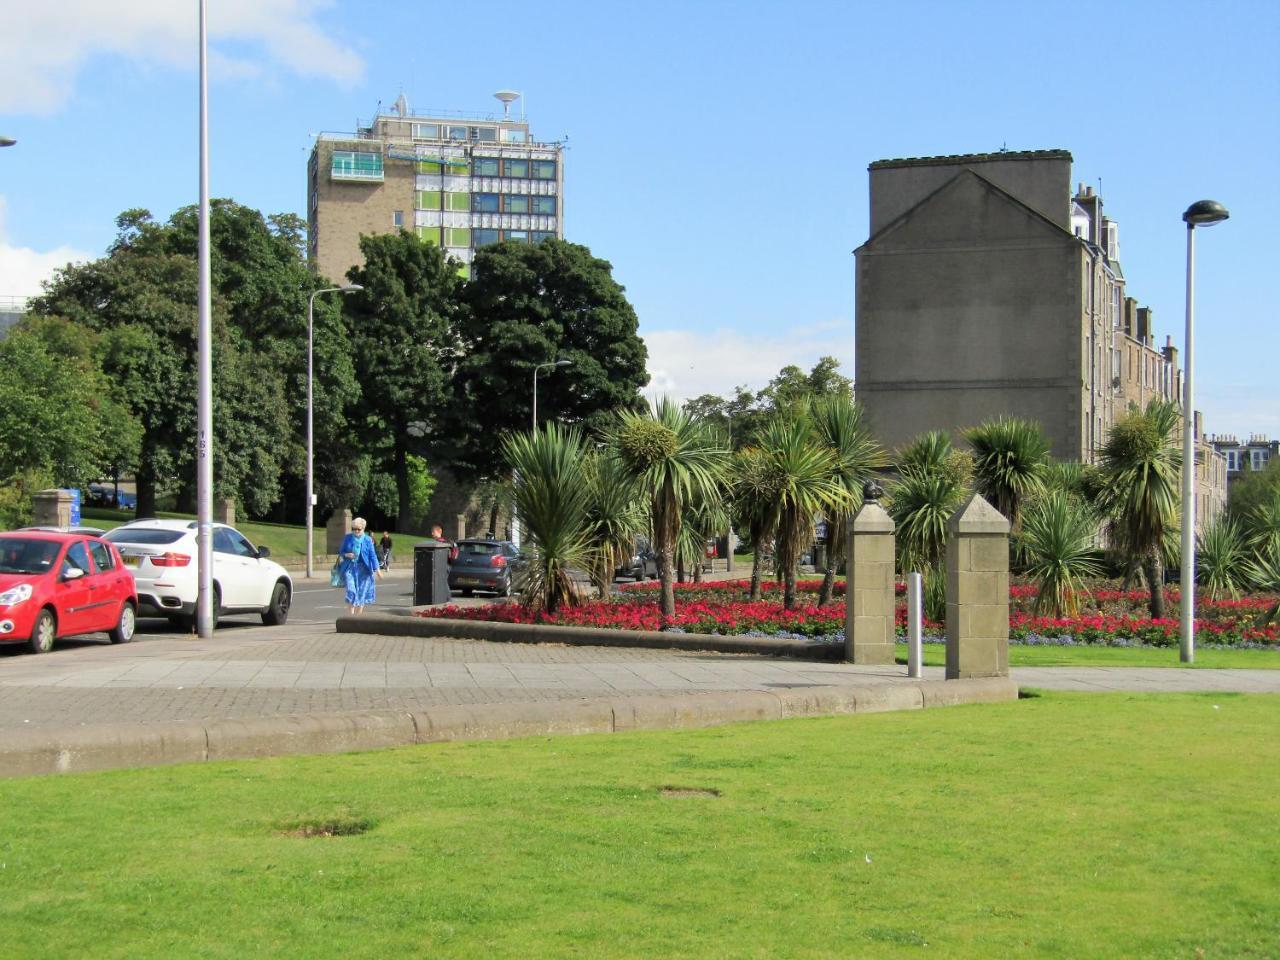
x,y
1061,826
283,540
935,655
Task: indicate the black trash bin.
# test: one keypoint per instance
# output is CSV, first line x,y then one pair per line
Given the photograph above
x,y
430,572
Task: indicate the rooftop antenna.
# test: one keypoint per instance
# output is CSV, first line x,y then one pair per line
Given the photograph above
x,y
506,96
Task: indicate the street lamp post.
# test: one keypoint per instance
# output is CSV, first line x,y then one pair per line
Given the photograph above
x,y
541,366
1202,213
204,367
311,497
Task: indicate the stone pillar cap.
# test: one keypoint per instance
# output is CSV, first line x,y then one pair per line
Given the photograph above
x,y
977,516
872,518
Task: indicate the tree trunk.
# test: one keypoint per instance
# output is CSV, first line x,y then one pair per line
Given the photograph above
x,y
404,519
680,570
756,563
145,481
666,527
1153,568
789,585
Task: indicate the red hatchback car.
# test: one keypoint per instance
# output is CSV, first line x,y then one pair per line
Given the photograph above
x,y
60,585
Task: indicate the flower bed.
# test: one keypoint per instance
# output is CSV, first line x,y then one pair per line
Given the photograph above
x,y
721,607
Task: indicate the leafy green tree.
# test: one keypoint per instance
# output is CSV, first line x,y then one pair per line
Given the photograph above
x,y
533,304
1142,462
17,492
745,414
552,494
810,484
141,298
1058,537
52,412
1252,489
400,328
1010,457
840,426
674,460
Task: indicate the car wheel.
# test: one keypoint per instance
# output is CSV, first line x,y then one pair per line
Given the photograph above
x,y
43,632
467,591
278,610
124,628
187,621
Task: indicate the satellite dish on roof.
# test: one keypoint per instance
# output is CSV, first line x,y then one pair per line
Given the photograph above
x,y
506,96
401,106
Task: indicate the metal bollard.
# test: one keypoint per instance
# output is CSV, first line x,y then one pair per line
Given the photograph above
x,y
915,620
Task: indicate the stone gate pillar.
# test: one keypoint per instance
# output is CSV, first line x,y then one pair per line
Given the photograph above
x,y
977,592
51,508
868,598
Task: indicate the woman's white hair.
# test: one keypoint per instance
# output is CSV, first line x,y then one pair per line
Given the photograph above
x,y
358,523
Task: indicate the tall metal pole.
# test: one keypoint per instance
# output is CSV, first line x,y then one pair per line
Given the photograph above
x,y
1188,646
311,497
204,402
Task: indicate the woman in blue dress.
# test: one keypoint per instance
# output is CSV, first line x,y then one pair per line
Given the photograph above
x,y
360,567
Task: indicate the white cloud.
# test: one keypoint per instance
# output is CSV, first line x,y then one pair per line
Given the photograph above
x,y
688,363
22,269
44,45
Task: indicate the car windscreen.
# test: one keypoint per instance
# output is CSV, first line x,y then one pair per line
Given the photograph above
x,y
145,537
22,555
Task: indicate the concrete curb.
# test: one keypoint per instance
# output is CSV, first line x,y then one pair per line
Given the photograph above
x,y
39,752
402,626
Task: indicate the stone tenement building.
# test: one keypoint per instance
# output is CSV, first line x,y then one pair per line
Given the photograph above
x,y
457,180
987,288
1249,456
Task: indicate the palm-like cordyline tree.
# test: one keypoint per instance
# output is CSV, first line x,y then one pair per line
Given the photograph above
x,y
674,459
839,425
1010,457
807,486
704,519
933,480
1058,539
551,493
755,503
615,517
1142,462
1262,526
1221,557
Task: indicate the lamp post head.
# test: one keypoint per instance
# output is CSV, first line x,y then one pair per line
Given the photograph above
x,y
564,363
351,288
7,141
1205,213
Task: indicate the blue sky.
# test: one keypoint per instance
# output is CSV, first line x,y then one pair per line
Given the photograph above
x,y
717,152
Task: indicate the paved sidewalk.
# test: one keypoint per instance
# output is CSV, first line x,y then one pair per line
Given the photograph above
x,y
307,669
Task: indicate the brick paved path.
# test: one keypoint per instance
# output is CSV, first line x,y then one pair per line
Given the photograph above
x,y
246,672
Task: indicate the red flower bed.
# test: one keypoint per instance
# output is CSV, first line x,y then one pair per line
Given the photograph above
x,y
721,607
692,616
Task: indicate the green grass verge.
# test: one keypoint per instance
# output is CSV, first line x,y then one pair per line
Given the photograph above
x,y
283,540
1060,826
935,655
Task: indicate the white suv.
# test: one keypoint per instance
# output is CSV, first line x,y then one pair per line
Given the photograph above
x,y
162,556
